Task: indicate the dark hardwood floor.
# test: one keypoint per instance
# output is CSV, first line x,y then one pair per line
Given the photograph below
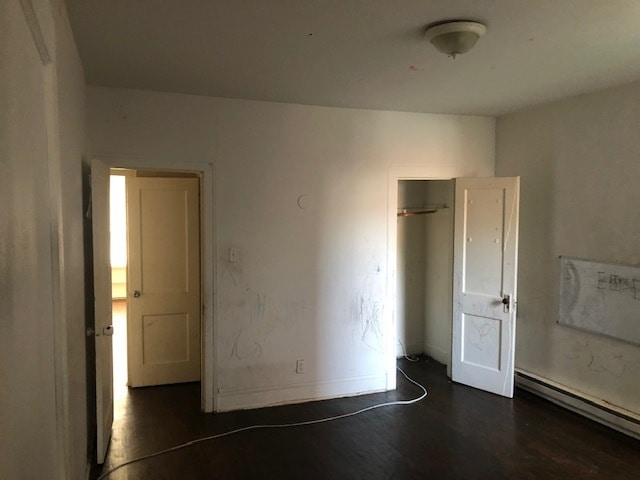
x,y
456,432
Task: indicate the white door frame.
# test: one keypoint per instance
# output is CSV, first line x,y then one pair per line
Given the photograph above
x,y
208,381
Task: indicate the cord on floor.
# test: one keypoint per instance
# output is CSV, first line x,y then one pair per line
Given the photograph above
x,y
411,358
284,425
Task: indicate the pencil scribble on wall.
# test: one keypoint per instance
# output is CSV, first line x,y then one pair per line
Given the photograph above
x,y
368,307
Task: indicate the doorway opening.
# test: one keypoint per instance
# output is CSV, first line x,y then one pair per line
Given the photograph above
x,y
424,263
118,245
156,279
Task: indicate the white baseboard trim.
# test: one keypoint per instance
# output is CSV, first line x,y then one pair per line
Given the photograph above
x,y
300,392
438,354
617,418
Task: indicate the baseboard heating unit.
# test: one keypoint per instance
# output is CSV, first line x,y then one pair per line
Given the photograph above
x,y
597,410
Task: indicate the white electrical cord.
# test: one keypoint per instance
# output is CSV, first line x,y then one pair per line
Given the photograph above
x,y
256,427
411,358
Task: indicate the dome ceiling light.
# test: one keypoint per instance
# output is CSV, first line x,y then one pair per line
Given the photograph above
x,y
455,38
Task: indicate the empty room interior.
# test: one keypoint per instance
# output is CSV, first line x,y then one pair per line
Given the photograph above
x,y
337,239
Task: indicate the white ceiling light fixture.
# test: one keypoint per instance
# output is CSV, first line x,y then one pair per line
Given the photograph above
x,y
455,38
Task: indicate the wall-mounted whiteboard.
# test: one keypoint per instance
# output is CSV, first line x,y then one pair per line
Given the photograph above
x,y
602,298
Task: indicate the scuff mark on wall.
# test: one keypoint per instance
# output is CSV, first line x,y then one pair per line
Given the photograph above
x,y
233,272
612,363
368,306
255,352
259,308
248,314
255,317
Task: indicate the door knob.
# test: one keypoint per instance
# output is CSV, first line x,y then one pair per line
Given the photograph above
x,y
136,293
506,302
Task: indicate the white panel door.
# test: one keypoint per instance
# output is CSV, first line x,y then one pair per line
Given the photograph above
x,y
484,283
163,303
103,329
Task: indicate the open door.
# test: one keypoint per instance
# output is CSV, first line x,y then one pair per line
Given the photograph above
x,y
484,283
163,303
103,330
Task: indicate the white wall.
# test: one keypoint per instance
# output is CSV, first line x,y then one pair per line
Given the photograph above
x,y
42,328
410,287
438,286
579,163
118,221
28,404
71,103
302,192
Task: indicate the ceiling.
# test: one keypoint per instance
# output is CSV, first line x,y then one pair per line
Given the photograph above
x,y
360,53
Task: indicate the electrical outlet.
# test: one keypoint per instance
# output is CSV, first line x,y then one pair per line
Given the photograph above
x,y
300,366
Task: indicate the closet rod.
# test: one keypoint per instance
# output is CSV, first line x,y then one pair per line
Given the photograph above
x,y
409,212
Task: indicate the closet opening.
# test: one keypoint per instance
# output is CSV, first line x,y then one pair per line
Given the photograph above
x,y
424,268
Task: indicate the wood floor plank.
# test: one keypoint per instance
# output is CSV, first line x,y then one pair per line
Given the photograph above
x,y
457,432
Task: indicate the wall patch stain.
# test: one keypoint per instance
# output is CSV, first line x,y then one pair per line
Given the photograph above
x,y
302,201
